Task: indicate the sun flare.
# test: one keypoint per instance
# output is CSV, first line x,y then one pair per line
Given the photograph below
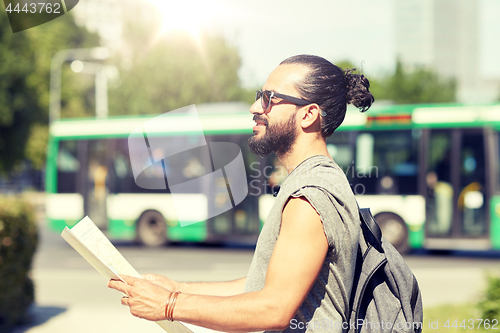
x,y
184,16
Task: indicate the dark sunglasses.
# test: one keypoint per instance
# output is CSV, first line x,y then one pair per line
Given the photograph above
x,y
267,95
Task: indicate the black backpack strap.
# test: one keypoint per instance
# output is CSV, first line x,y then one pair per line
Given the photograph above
x,y
413,304
414,295
372,226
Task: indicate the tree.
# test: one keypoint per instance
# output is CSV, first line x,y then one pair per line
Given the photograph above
x,y
162,74
375,85
18,99
418,85
408,86
176,72
24,87
345,64
174,69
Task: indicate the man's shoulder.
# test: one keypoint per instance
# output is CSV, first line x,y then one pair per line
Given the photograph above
x,y
318,166
323,176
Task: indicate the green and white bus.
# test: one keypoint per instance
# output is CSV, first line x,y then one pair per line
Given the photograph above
x,y
429,173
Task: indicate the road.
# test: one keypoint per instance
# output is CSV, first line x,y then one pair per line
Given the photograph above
x,y
72,297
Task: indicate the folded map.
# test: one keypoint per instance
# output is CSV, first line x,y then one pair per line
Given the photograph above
x,y
88,240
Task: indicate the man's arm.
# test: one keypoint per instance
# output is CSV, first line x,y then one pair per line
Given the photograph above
x,y
295,264
225,288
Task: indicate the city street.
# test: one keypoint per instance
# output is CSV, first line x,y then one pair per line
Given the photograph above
x,y
174,121
72,297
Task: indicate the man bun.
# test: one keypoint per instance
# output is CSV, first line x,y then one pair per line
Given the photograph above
x,y
332,88
358,93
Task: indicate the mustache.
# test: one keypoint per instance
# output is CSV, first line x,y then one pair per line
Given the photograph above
x,y
260,119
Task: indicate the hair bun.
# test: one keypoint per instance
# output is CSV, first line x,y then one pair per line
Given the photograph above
x,y
358,93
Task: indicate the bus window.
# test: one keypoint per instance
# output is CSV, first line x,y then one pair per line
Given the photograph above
x,y
498,163
67,166
96,184
120,165
242,219
120,176
340,148
246,214
185,166
121,179
438,179
471,202
387,162
364,153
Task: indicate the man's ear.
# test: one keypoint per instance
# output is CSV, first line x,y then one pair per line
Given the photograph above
x,y
311,117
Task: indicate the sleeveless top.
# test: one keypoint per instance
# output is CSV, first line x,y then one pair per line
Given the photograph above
x,y
322,182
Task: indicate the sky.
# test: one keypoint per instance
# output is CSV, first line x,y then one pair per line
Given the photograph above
x,y
361,31
490,38
337,30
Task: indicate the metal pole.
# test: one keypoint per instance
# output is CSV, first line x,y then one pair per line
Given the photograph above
x,y
55,87
97,53
101,92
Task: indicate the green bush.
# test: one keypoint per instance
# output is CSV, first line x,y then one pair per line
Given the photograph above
x,y
18,241
489,305
450,318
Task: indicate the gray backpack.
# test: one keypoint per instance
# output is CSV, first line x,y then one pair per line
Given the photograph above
x,y
385,295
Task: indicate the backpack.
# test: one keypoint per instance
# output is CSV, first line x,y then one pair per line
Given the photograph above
x,y
385,296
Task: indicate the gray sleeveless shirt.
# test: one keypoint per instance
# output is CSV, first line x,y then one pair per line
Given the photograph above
x,y
321,181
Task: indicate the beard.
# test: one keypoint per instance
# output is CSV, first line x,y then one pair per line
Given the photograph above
x,y
278,138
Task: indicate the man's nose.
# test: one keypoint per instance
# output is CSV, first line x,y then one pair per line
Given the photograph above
x,y
256,107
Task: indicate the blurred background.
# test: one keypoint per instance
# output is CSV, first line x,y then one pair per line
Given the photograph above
x,y
161,56
71,91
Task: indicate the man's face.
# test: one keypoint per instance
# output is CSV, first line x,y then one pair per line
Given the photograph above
x,y
275,129
277,138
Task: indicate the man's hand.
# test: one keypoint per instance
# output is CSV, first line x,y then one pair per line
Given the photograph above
x,y
163,281
146,299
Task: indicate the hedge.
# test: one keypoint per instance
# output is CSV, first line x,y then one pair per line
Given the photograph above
x,y
489,304
18,242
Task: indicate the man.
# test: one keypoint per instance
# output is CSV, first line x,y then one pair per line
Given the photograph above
x,y
302,271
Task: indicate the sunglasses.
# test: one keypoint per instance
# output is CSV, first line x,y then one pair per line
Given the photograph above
x,y
267,95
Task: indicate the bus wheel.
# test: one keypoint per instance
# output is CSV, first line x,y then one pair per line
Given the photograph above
x,y
394,230
152,229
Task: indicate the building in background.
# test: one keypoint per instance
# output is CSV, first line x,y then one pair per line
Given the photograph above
x,y
444,35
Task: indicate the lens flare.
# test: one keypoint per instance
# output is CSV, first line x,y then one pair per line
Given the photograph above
x,y
184,16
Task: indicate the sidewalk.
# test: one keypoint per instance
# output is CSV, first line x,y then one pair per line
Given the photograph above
x,y
64,305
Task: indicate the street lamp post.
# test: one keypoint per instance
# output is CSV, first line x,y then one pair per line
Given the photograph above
x,y
102,74
96,53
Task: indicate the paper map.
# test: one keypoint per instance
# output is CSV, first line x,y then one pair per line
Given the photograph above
x,y
88,240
